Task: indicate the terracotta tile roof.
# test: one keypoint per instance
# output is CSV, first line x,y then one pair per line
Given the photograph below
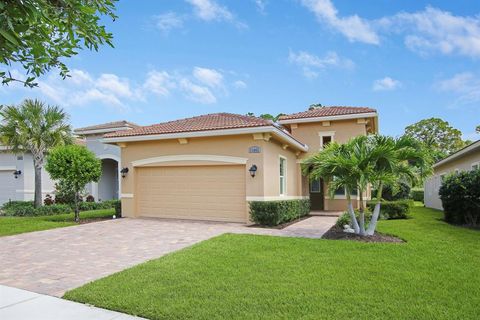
x,y
327,112
109,125
215,121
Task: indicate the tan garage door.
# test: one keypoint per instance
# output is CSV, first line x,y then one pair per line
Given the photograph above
x,y
214,193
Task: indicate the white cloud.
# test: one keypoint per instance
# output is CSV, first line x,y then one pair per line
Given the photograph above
x,y
352,27
386,84
239,84
209,10
168,21
209,77
466,85
197,93
312,64
113,84
434,30
261,5
159,82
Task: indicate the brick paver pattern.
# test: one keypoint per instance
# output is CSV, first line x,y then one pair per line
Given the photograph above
x,y
55,261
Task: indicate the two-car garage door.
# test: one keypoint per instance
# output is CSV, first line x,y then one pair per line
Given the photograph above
x,y
215,192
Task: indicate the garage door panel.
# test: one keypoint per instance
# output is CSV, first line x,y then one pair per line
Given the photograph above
x,y
197,192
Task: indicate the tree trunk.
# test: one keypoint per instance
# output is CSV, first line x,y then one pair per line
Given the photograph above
x,y
77,213
38,186
376,213
362,213
353,218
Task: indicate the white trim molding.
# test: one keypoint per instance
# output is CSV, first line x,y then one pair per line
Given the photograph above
x,y
330,118
126,195
322,134
280,134
275,198
109,156
99,131
190,157
8,168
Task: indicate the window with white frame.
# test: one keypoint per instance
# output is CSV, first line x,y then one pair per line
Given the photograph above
x,y
283,176
326,138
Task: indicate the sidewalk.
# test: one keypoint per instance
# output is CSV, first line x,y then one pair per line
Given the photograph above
x,y
17,304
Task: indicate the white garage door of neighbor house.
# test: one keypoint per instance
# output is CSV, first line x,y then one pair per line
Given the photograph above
x,y
7,188
215,193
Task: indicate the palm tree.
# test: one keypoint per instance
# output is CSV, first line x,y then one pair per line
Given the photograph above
x,y
36,128
362,162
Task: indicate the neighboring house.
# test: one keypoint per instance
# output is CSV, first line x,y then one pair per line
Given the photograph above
x,y
465,159
20,186
109,185
209,167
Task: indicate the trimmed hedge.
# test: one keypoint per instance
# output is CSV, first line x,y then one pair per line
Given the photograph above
x,y
460,195
26,208
417,195
398,209
272,213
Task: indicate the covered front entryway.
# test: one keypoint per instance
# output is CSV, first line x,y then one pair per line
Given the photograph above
x,y
108,185
202,192
7,188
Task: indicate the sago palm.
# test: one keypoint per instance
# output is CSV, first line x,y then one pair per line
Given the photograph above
x,y
36,128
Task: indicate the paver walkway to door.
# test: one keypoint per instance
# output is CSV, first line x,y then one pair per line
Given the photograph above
x,y
55,261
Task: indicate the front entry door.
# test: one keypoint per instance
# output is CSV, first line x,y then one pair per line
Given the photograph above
x,y
316,194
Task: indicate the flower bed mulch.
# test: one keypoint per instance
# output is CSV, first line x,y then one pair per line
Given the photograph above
x,y
337,233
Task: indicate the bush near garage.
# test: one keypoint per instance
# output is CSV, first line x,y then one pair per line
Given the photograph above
x,y
398,209
417,195
273,213
344,219
460,195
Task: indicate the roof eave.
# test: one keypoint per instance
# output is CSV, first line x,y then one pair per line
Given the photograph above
x,y
456,155
211,133
330,118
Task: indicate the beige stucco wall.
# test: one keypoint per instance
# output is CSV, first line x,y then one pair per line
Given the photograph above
x,y
264,185
432,185
343,130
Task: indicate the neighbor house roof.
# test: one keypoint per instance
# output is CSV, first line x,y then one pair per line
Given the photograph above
x,y
107,127
204,125
473,147
328,112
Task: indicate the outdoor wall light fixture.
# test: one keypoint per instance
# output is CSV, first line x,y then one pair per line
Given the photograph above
x,y
124,172
16,173
253,170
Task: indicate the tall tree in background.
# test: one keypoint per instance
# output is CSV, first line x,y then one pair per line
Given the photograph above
x,y
437,135
36,128
38,34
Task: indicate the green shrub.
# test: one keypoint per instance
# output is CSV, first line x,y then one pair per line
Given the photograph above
x,y
272,213
118,208
53,210
345,218
398,192
18,208
398,209
417,194
87,206
460,195
26,209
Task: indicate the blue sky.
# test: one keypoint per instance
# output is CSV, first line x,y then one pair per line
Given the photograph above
x,y
408,59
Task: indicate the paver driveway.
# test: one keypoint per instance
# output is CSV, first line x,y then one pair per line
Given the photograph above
x,y
55,261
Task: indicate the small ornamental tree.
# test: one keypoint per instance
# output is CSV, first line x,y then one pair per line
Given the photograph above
x,y
76,166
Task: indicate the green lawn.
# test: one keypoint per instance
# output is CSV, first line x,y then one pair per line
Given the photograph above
x,y
15,225
435,275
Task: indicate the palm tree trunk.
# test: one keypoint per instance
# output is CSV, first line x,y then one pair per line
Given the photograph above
x,y
376,213
353,218
38,186
362,213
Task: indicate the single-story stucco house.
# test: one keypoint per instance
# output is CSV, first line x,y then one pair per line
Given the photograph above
x,y
17,172
465,159
210,166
